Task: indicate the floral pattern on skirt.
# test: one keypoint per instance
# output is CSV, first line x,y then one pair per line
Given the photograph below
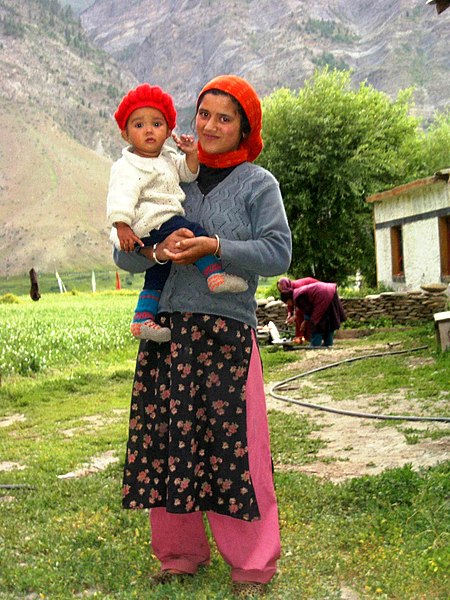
x,y
187,447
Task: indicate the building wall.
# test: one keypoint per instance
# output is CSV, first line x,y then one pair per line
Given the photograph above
x,y
415,202
421,250
383,257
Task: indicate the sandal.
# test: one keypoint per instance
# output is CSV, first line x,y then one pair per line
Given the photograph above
x,y
249,589
168,575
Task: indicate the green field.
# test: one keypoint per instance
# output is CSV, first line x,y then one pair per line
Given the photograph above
x,y
73,282
66,368
105,281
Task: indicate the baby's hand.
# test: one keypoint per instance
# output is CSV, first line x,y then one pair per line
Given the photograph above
x,y
127,238
186,143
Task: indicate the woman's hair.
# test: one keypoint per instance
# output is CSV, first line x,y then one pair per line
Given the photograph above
x,y
245,124
285,296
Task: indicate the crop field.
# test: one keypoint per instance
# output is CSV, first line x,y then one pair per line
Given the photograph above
x,y
63,329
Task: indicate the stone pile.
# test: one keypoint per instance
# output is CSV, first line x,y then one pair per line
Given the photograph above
x,y
398,307
271,310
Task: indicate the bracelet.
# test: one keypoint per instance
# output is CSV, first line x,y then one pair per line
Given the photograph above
x,y
217,250
159,262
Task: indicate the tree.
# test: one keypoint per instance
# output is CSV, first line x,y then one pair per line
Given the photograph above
x,y
436,144
331,146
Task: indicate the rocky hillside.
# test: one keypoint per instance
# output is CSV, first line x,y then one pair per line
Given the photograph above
x,y
56,102
390,43
47,62
52,197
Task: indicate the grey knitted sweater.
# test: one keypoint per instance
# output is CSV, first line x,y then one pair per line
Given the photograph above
x,y
246,211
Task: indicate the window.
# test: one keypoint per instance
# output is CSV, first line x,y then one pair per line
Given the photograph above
x,y
398,273
444,244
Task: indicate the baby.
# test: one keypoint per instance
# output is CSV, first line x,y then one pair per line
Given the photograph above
x,y
144,203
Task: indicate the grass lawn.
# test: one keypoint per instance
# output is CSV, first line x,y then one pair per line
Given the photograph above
x,y
67,365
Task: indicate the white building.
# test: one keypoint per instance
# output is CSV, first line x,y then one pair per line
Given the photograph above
x,y
412,233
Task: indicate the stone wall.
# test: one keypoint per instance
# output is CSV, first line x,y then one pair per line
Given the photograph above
x,y
399,307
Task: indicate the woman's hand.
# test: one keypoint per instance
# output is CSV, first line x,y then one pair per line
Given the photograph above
x,y
188,249
290,320
182,247
169,245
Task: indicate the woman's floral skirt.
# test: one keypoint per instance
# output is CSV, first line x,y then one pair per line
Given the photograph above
x,y
187,447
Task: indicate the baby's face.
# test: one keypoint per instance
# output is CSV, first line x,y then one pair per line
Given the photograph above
x,y
146,131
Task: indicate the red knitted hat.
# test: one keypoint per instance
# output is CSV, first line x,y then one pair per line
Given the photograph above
x,y
146,95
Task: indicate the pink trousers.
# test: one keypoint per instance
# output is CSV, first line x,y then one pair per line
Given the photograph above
x,y
250,548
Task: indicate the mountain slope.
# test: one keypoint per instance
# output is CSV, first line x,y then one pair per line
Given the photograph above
x,y
57,97
59,91
52,197
46,61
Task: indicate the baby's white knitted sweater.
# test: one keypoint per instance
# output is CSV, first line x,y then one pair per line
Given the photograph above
x,y
145,192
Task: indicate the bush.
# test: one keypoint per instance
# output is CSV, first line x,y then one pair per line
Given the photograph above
x,y
9,299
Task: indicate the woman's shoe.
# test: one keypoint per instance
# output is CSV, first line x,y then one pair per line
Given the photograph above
x,y
168,575
249,589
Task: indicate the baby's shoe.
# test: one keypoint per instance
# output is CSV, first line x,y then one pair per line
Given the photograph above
x,y
149,330
224,282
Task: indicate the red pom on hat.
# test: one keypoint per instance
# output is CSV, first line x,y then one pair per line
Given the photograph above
x,y
146,95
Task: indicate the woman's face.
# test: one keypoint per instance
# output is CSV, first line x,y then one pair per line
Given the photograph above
x,y
218,124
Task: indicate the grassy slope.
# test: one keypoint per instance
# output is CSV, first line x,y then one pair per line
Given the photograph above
x,y
52,197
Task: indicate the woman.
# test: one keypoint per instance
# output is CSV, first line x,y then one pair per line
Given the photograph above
x,y
199,438
321,306
295,314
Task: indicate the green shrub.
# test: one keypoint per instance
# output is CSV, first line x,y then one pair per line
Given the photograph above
x,y
9,299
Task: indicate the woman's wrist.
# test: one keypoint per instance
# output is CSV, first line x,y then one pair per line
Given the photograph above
x,y
217,251
156,259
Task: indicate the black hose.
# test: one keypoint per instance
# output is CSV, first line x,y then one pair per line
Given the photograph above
x,y
16,486
349,412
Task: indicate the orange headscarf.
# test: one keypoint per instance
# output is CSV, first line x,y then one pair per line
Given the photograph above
x,y
250,146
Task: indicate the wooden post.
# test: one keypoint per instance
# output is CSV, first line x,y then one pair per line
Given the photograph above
x,y
34,291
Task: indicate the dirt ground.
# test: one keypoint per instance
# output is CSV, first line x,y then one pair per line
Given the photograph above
x,y
358,446
354,446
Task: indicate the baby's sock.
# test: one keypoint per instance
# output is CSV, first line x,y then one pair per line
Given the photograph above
x,y
143,325
218,281
147,306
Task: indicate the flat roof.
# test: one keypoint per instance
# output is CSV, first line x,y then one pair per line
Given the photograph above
x,y
438,177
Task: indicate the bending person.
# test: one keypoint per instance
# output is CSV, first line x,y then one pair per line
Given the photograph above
x,y
295,315
321,307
